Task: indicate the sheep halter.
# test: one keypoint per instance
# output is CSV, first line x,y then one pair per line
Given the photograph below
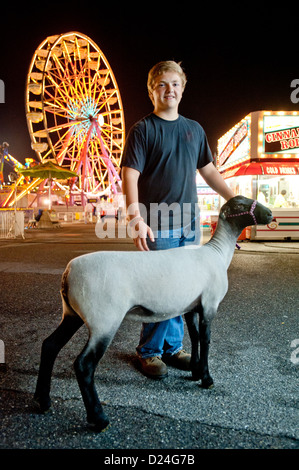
x,y
250,212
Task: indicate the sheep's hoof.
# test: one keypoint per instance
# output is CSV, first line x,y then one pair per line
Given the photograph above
x,y
43,405
99,425
207,384
196,376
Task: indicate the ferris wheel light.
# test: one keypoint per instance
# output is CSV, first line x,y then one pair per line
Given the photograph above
x,y
101,120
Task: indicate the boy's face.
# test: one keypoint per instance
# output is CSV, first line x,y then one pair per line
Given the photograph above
x,y
167,92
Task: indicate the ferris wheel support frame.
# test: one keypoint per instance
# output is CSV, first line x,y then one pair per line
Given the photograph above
x,y
112,173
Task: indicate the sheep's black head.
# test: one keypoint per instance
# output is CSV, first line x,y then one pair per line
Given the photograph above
x,y
244,212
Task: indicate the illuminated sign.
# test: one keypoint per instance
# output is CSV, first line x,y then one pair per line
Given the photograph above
x,y
281,134
269,169
280,170
282,140
233,143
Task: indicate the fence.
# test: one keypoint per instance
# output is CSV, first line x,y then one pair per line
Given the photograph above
x,y
11,224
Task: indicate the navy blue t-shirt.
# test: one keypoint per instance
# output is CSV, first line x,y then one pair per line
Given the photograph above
x,y
167,155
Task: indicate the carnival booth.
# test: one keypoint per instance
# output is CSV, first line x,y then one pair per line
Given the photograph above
x,y
259,158
208,202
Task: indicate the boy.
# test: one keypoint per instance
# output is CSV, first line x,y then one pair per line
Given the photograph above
x,y
161,156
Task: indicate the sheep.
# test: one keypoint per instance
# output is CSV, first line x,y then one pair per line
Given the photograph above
x,y
151,286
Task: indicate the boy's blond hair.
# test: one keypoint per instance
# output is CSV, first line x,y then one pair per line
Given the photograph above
x,y
160,68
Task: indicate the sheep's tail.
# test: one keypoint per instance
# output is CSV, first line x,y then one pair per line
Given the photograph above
x,y
64,284
67,308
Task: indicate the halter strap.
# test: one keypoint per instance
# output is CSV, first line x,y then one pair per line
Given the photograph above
x,y
250,212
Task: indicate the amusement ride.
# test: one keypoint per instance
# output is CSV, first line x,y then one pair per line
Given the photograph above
x,y
75,119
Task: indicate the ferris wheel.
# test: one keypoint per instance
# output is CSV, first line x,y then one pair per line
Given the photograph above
x,y
74,111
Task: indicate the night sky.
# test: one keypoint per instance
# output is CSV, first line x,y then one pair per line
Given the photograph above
x,y
237,59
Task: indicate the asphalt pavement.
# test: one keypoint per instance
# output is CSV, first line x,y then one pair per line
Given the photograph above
x,y
254,359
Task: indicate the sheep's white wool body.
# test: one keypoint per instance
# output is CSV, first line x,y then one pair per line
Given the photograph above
x,y
164,283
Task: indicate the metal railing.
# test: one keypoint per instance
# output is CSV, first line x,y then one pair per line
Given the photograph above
x,y
11,224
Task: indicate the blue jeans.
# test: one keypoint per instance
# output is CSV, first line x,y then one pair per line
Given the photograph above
x,y
166,336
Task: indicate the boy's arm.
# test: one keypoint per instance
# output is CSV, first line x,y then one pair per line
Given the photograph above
x,y
130,178
214,179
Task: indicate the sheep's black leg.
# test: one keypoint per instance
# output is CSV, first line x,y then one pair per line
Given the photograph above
x,y
85,366
199,332
204,341
50,349
192,325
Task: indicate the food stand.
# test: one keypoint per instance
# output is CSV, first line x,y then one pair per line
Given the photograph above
x,y
208,202
259,158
